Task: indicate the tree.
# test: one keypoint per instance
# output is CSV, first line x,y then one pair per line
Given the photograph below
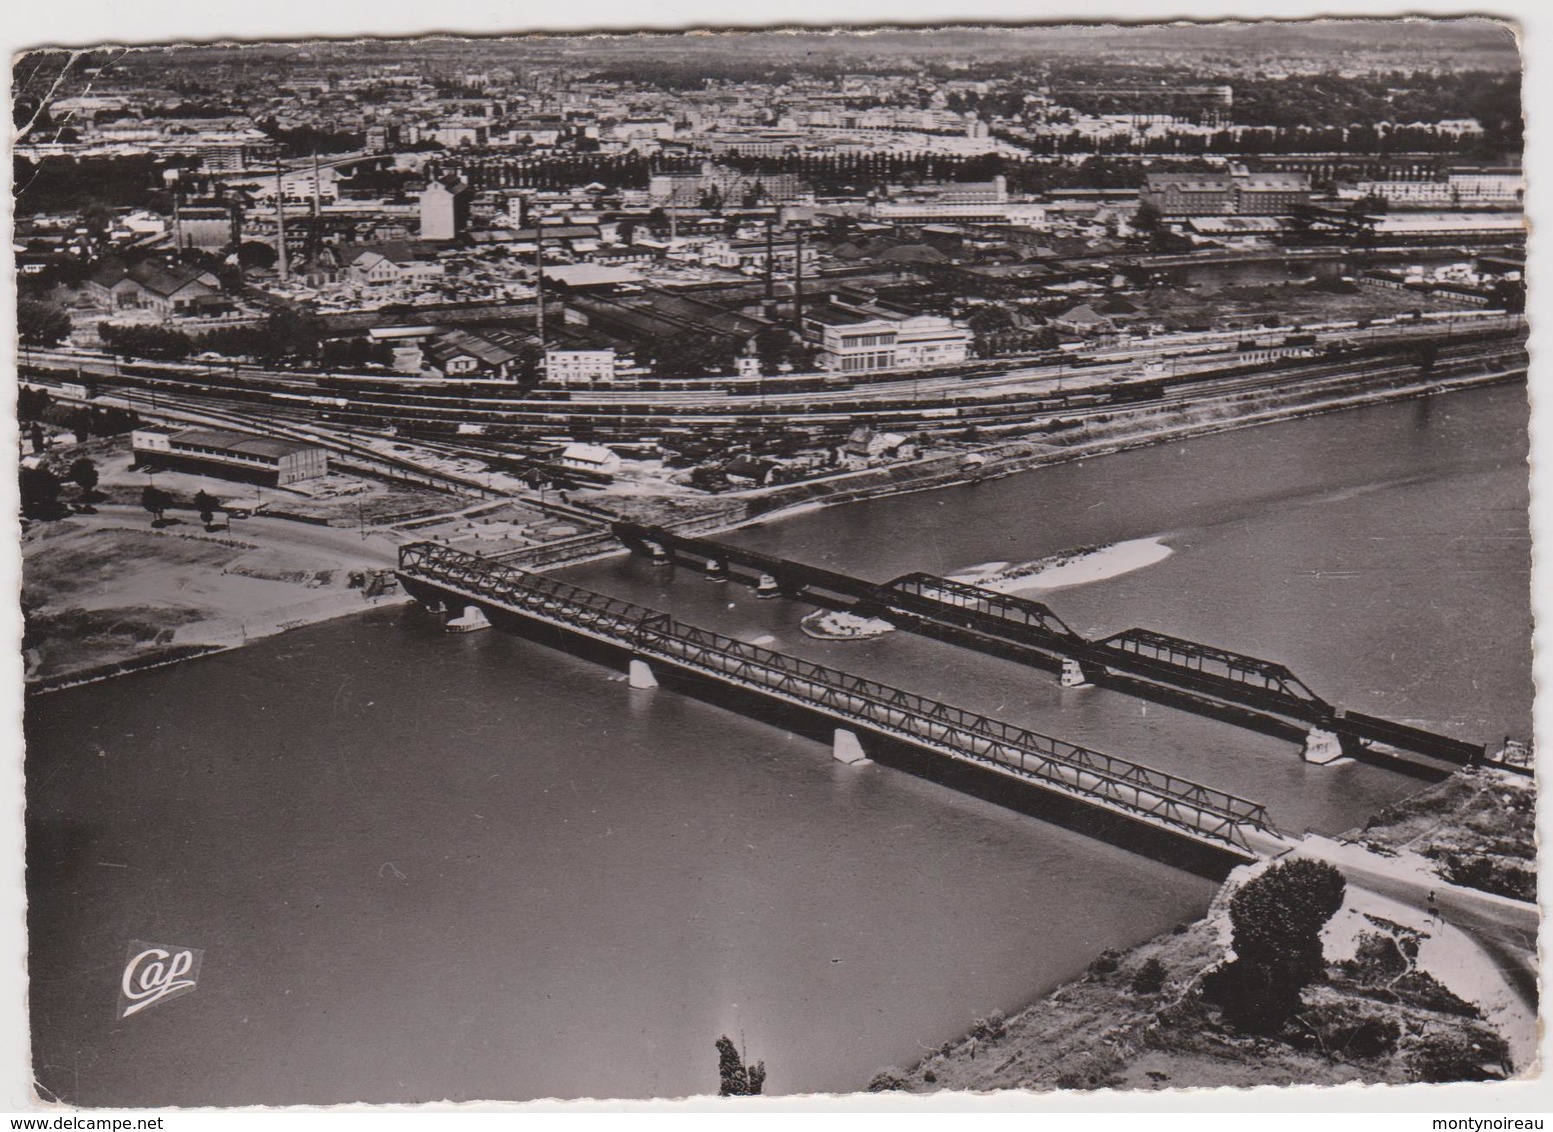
x,y
39,493
1277,919
738,1079
206,505
253,254
775,346
156,501
83,473
31,401
41,324
1510,296
292,334
691,355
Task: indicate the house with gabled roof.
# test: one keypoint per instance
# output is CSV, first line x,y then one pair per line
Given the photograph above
x,y
489,354
1083,320
165,288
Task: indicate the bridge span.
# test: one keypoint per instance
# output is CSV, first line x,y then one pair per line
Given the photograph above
x,y
853,705
1233,686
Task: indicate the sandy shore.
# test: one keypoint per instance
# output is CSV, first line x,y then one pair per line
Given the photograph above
x,y
1071,568
105,594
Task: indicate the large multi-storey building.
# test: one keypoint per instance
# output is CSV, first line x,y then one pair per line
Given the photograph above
x,y
445,209
1225,194
1460,188
686,190
210,226
858,335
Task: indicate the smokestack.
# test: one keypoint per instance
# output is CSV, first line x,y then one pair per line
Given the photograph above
x,y
312,236
539,278
770,262
798,279
280,225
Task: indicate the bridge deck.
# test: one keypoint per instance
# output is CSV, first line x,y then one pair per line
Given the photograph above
x,y
1001,615
1210,669
1173,662
1139,792
791,575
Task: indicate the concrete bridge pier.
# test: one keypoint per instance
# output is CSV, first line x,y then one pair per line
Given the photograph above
x,y
767,586
847,748
471,620
640,674
660,554
1322,747
716,570
1073,675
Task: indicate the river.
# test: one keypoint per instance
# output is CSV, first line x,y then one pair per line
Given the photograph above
x,y
426,866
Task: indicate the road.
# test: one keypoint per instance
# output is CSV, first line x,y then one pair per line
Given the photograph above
x,y
343,545
1505,929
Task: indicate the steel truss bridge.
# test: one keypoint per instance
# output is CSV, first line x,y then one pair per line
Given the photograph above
x,y
1199,675
1164,801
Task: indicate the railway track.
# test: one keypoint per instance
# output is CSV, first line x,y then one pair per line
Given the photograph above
x,y
296,409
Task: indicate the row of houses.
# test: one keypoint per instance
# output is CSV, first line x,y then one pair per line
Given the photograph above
x,y
601,337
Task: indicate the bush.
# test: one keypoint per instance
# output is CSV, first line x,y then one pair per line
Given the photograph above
x,y
1379,958
1149,978
990,1028
1442,1058
1106,962
890,1080
1342,1030
1371,1038
1488,875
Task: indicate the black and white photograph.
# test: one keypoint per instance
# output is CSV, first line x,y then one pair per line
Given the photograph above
x,y
872,561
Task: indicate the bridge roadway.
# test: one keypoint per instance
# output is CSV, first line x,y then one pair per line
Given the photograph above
x,y
1178,806
1199,676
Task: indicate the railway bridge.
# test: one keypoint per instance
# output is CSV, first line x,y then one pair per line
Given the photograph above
x,y
1243,689
856,708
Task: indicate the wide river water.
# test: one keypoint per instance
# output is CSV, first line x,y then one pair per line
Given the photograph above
x,y
424,866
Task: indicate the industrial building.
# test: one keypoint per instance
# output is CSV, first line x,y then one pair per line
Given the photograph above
x,y
1225,194
856,334
229,455
445,209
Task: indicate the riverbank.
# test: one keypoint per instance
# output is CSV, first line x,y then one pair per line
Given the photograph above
x,y
102,597
1408,995
84,640
1119,429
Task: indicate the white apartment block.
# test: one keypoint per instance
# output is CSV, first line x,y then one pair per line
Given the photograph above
x,y
580,367
868,337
